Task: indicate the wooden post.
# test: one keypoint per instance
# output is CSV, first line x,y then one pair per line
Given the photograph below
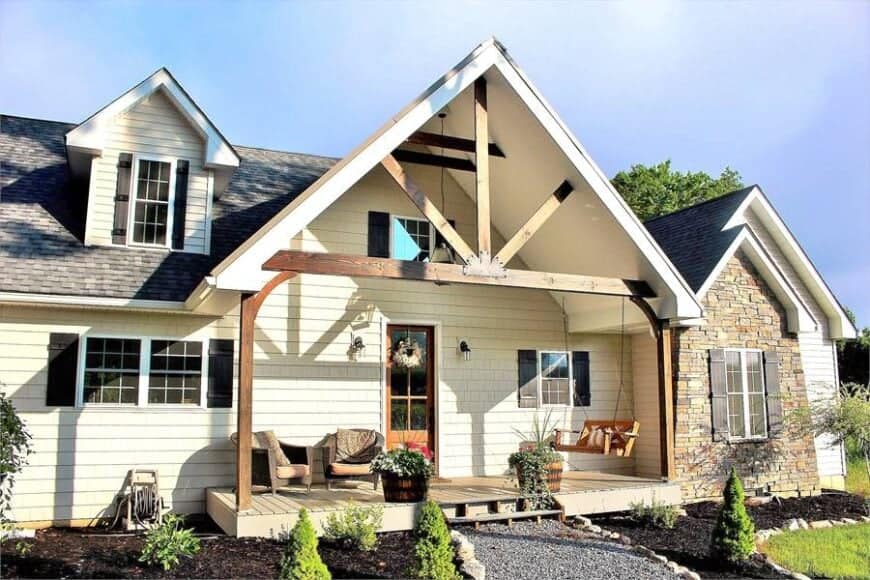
x,y
666,401
250,305
481,138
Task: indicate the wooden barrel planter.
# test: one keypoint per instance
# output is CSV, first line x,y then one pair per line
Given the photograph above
x,y
554,476
399,489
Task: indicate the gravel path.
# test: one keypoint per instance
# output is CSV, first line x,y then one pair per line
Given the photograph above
x,y
550,550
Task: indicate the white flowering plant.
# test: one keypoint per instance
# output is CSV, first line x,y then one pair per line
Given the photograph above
x,y
404,462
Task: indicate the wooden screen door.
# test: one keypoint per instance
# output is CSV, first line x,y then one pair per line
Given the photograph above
x,y
411,391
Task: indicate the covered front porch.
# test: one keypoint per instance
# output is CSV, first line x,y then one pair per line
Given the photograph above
x,y
463,500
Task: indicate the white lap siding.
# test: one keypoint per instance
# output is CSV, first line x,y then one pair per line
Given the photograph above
x,y
305,385
818,357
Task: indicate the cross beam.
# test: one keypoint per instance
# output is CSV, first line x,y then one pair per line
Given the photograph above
x,y
534,223
368,267
450,142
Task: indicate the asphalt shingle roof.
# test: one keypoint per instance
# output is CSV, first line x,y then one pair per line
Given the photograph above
x,y
693,238
42,215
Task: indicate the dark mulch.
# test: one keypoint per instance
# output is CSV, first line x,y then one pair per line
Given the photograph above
x,y
689,542
76,553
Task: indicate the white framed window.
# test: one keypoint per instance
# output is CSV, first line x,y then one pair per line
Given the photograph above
x,y
745,390
143,371
153,198
555,387
411,239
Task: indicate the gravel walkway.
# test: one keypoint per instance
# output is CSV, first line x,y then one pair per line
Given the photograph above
x,y
550,550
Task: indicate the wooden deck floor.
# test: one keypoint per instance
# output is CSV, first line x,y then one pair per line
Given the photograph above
x,y
582,492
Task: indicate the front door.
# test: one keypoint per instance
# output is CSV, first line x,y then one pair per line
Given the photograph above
x,y
410,386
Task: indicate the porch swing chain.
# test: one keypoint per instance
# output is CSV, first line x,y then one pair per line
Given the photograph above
x,y
621,361
567,350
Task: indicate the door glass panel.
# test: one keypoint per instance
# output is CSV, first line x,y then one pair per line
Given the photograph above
x,y
398,381
398,414
418,414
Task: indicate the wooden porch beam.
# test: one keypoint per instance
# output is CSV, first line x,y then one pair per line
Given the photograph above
x,y
421,158
367,267
449,142
481,152
250,305
534,223
428,209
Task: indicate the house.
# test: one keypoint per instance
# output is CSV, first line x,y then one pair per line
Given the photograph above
x,y
161,288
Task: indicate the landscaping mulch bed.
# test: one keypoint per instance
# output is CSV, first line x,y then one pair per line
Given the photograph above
x,y
77,553
688,543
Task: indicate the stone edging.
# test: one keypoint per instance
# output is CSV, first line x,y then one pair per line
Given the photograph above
x,y
468,564
586,525
795,524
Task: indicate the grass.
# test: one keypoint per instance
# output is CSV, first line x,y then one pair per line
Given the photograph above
x,y
857,480
842,552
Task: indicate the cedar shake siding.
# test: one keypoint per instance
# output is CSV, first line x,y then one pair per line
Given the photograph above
x,y
741,312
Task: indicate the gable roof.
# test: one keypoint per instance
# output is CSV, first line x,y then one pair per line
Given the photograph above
x,y
701,239
42,220
89,136
242,270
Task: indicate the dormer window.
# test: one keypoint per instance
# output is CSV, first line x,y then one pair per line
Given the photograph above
x,y
152,202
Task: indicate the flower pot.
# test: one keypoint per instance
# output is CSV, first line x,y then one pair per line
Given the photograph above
x,y
554,476
398,489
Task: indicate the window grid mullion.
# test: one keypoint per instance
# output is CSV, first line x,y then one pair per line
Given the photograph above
x,y
144,371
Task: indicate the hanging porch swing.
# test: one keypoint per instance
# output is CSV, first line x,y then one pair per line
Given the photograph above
x,y
601,436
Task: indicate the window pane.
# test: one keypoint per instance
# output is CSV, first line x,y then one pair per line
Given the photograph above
x,y
554,365
410,239
111,370
735,416
554,391
175,372
756,415
152,203
399,414
754,372
418,415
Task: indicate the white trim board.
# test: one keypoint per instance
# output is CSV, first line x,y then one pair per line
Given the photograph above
x,y
89,137
241,270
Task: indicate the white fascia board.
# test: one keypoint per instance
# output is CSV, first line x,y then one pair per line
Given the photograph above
x,y
242,270
684,305
89,136
839,325
798,316
59,300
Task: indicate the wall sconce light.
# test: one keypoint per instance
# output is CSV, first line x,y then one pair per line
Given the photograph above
x,y
465,349
357,347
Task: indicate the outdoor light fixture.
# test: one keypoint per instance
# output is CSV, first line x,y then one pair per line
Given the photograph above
x,y
465,349
357,347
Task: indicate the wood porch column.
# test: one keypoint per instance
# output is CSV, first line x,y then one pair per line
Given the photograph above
x,y
250,305
666,400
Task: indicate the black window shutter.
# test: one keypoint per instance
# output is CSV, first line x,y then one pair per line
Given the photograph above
x,y
527,387
63,359
718,395
379,234
773,393
582,386
122,199
439,239
179,215
220,373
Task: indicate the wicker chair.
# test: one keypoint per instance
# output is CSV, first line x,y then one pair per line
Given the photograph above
x,y
269,469
335,469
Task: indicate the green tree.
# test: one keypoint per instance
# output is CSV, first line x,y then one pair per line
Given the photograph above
x,y
301,560
658,189
734,533
15,446
853,356
433,554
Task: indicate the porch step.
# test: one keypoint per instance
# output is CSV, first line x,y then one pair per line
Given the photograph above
x,y
501,517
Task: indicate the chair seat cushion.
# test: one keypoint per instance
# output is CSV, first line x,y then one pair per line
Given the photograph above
x,y
349,469
291,471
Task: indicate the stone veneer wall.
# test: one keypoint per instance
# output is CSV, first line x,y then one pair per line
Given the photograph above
x,y
741,312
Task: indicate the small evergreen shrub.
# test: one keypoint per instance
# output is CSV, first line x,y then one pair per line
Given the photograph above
x,y
301,560
433,553
658,514
355,527
734,534
167,543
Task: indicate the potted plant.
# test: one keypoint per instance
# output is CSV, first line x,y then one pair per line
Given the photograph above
x,y
404,472
536,456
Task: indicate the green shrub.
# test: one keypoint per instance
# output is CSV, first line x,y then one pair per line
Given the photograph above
x,y
166,543
658,514
15,446
355,527
531,469
734,534
301,560
433,553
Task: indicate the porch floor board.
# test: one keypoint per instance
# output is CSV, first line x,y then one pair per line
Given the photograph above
x,y
583,492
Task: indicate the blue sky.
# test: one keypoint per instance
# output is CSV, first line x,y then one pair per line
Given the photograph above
x,y
779,91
